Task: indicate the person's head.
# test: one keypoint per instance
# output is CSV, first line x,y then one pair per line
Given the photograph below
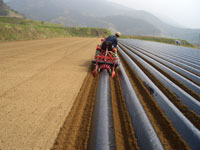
x,y
118,34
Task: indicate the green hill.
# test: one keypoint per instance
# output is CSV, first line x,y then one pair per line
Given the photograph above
x,y
24,29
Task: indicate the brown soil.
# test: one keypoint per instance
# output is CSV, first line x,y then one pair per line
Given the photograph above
x,y
75,132
39,81
47,98
191,115
124,132
168,135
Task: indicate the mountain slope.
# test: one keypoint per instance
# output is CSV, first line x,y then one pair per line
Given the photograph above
x,y
3,9
132,26
99,8
100,13
86,13
7,11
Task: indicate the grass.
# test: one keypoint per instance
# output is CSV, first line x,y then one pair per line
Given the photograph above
x,y
160,39
25,29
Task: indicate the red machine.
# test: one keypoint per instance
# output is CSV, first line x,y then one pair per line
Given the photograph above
x,y
106,59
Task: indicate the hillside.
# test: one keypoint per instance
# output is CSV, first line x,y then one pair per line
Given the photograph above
x,y
132,26
101,14
7,11
24,29
3,9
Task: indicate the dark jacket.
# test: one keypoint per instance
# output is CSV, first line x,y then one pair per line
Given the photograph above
x,y
113,39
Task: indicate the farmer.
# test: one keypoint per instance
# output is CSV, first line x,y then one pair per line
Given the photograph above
x,y
113,40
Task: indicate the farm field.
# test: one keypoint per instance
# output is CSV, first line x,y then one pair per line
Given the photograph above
x,y
39,81
49,98
152,103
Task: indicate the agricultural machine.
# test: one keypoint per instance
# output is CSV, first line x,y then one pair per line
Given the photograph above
x,y
105,59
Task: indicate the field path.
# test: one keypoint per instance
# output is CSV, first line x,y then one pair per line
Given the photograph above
x,y
39,81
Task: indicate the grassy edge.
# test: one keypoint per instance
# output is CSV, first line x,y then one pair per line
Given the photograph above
x,y
12,29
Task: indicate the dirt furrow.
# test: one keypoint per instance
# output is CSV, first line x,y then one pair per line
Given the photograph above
x,y
124,132
191,115
168,135
75,131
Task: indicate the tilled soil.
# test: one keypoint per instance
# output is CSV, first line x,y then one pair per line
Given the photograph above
x,y
124,131
47,96
75,131
39,81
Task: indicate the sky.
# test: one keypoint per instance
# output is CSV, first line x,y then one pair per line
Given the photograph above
x,y
186,13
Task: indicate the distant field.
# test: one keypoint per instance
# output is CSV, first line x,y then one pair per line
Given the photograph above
x,y
159,39
24,29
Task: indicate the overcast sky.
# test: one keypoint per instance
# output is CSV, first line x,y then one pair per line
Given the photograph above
x,y
183,12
